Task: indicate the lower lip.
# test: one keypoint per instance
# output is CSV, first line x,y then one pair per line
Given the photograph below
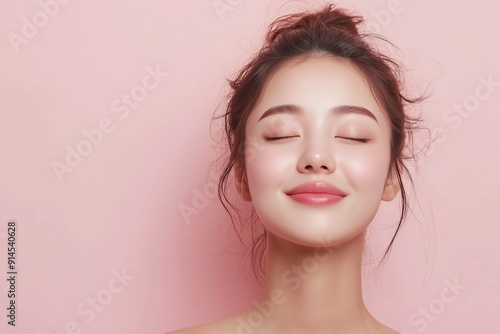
x,y
316,199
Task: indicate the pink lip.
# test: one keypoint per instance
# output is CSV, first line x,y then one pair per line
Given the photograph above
x,y
316,198
316,193
317,187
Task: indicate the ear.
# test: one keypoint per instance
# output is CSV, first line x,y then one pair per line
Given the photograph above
x,y
241,183
392,187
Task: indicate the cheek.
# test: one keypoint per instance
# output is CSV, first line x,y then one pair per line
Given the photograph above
x,y
367,172
267,168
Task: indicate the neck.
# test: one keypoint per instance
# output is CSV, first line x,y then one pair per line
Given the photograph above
x,y
315,290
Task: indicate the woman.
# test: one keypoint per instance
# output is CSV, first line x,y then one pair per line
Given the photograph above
x,y
316,127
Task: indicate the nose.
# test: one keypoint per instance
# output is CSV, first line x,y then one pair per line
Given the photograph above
x,y
317,157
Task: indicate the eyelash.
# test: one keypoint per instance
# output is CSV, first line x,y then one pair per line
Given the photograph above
x,y
361,140
276,138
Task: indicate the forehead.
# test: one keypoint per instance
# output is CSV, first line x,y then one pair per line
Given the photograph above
x,y
317,84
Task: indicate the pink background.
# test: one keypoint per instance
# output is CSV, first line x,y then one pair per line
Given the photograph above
x,y
117,211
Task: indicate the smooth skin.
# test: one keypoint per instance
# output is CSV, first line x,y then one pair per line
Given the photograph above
x,y
314,268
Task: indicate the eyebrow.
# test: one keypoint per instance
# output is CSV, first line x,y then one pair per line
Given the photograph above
x,y
336,111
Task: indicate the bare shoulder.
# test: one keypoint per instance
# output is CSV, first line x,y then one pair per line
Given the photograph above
x,y
218,327
190,330
202,329
181,331
227,325
386,330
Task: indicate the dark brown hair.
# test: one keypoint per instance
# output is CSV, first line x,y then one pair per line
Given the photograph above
x,y
328,32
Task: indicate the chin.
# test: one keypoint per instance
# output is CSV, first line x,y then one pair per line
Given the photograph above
x,y
317,237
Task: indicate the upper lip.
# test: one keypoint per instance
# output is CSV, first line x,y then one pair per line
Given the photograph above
x,y
317,187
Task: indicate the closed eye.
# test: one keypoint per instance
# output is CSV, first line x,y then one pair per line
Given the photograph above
x,y
361,140
277,138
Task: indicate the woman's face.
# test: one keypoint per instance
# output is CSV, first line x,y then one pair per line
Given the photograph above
x,y
321,146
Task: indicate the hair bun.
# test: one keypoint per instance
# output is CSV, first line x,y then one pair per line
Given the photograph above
x,y
327,18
